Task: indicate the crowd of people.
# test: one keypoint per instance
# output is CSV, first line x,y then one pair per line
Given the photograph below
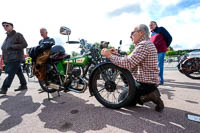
x,y
146,62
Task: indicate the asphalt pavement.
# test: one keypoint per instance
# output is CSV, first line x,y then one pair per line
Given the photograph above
x,y
31,112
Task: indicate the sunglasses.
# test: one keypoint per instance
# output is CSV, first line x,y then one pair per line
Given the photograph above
x,y
5,25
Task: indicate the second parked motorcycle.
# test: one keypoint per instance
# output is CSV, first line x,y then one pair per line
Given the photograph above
x,y
189,66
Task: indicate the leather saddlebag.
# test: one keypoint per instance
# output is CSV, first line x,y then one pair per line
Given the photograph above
x,y
40,65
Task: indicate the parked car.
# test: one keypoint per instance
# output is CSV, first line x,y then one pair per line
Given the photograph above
x,y
175,59
1,65
195,53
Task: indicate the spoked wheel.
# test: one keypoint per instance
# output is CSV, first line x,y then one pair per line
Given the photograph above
x,y
193,75
112,89
29,70
179,68
46,88
191,68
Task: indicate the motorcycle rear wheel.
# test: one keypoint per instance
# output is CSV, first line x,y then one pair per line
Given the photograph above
x,y
108,86
29,70
191,68
46,88
193,75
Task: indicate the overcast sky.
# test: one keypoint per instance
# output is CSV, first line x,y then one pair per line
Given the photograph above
x,y
97,20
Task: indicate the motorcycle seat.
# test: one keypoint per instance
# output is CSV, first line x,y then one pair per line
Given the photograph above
x,y
58,57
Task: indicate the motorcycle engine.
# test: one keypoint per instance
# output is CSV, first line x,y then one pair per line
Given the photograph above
x,y
78,82
76,72
52,75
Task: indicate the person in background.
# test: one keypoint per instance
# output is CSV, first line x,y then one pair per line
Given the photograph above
x,y
143,64
13,56
161,39
44,34
45,40
44,44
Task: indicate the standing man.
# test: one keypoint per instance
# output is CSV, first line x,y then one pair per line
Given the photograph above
x,y
142,63
161,39
45,42
43,33
45,45
13,55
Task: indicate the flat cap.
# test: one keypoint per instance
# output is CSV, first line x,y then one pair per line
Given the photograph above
x,y
7,23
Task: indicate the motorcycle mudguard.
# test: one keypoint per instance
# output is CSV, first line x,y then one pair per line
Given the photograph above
x,y
92,75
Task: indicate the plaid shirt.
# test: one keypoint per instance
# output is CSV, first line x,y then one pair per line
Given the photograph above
x,y
142,62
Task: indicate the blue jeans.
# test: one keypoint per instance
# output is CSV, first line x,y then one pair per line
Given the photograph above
x,y
161,57
12,69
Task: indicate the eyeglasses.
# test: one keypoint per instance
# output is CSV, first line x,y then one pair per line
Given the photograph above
x,y
134,32
5,25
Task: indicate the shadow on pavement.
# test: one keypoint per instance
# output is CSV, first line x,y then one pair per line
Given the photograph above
x,y
178,85
187,85
70,113
193,102
167,92
16,106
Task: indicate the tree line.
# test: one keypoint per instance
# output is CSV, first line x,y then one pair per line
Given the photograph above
x,y
171,51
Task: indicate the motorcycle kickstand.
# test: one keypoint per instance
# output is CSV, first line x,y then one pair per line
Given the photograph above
x,y
48,96
58,93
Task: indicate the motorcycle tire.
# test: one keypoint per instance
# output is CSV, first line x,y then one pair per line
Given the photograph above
x,y
190,75
179,68
123,94
29,70
46,88
191,68
105,79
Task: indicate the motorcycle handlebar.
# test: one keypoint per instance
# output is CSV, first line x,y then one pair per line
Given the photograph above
x,y
72,42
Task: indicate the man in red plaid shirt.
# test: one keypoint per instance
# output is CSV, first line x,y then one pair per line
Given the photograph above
x,y
143,64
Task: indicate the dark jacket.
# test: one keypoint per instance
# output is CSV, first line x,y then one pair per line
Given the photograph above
x,y
46,40
161,39
13,47
36,51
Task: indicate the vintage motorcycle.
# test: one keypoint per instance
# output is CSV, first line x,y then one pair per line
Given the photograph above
x,y
190,67
89,70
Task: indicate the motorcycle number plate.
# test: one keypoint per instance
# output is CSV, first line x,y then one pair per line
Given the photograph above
x,y
81,60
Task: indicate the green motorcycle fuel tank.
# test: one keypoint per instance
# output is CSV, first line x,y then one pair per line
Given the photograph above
x,y
75,61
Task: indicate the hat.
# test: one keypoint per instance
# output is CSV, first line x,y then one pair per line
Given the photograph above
x,y
7,23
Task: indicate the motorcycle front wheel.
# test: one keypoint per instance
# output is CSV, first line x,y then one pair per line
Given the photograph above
x,y
113,87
